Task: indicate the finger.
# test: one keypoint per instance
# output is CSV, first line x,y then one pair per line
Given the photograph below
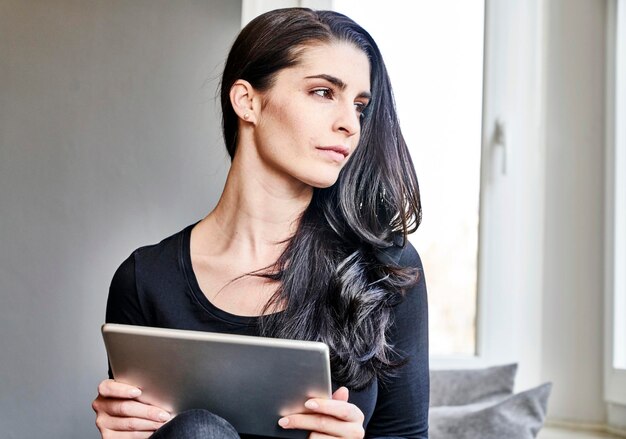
x,y
323,424
339,409
114,389
341,394
130,424
128,408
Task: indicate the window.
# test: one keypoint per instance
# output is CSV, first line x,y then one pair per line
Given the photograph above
x,y
434,54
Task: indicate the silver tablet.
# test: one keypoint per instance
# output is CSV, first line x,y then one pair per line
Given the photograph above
x,y
249,381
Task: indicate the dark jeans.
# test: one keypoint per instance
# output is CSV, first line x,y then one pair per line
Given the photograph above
x,y
196,424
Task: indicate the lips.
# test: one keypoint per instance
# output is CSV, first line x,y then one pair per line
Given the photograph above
x,y
343,150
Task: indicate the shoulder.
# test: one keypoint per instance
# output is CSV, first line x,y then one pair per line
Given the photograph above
x,y
153,264
408,256
168,248
144,271
414,299
401,254
147,255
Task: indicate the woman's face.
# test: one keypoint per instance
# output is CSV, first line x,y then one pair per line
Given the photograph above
x,y
310,121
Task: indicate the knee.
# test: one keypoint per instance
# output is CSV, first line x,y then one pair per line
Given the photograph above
x,y
196,424
209,424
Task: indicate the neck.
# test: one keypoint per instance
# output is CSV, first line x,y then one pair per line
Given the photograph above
x,y
258,211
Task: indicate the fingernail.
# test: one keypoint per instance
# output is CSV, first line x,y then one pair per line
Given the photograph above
x,y
283,422
310,404
134,393
164,416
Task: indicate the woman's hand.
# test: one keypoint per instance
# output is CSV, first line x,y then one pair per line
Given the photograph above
x,y
120,415
334,417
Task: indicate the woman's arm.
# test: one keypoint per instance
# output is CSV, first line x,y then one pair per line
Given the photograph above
x,y
402,403
123,304
118,412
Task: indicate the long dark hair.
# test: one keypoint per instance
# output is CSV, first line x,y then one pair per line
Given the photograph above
x,y
336,284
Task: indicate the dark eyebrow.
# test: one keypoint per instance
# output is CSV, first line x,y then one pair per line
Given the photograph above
x,y
338,83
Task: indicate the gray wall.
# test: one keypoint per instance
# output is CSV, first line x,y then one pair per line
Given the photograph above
x,y
109,139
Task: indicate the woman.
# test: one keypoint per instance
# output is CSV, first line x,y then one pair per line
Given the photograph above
x,y
308,240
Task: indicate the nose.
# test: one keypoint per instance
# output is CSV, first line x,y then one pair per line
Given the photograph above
x,y
347,120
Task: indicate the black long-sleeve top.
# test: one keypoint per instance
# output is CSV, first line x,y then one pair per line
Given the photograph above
x,y
156,286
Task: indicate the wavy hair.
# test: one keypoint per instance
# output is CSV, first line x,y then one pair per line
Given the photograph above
x,y
336,285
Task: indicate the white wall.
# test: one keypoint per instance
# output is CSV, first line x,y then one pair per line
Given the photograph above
x,y
109,139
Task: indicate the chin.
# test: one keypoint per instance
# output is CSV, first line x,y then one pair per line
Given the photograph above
x,y
322,182
316,176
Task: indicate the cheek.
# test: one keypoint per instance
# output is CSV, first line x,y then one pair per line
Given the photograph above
x,y
283,117
296,127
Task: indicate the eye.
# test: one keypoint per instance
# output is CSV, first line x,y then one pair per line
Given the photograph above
x,y
326,93
360,108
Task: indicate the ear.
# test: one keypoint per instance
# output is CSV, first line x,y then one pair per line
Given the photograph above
x,y
242,95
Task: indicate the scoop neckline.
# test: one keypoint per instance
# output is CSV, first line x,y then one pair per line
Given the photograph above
x,y
194,286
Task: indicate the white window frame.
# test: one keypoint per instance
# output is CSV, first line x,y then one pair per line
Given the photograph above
x,y
615,240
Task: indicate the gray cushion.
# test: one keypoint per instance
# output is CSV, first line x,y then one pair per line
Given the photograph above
x,y
517,416
467,386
